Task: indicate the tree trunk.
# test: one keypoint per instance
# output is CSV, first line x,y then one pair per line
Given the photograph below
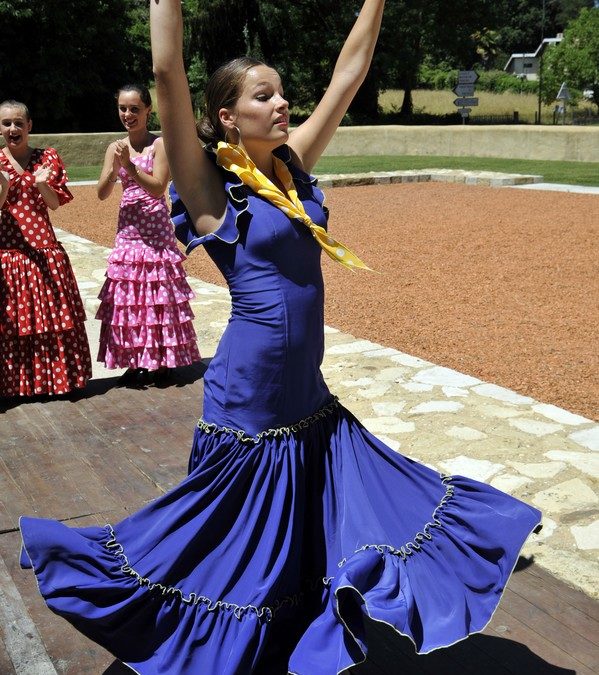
x,y
258,33
407,105
365,106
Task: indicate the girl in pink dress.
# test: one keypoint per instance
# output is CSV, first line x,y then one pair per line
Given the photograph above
x,y
146,318
43,344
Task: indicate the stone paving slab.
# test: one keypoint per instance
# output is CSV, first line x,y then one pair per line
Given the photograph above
x,y
561,187
448,420
487,178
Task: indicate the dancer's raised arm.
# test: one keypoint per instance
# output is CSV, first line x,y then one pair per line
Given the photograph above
x,y
197,180
311,138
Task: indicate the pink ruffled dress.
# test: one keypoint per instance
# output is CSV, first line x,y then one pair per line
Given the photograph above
x,y
145,312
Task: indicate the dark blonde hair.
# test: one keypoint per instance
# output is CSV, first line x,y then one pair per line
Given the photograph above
x,y
11,103
223,91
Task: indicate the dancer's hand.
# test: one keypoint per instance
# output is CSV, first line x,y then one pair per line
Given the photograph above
x,y
4,185
42,173
123,154
41,176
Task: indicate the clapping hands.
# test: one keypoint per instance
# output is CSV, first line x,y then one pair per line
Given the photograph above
x,y
122,153
42,173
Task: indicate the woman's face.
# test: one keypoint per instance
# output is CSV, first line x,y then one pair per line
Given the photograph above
x,y
133,112
15,127
261,112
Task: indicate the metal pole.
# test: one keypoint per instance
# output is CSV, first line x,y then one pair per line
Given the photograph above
x,y
539,121
540,87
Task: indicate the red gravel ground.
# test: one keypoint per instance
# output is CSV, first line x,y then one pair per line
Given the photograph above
x,y
501,284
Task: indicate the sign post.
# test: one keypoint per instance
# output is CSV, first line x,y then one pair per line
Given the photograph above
x,y
563,95
464,91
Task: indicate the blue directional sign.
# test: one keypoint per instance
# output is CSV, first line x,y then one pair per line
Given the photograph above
x,y
467,76
464,90
466,101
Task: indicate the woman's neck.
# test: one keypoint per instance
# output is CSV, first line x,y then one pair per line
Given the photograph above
x,y
267,166
139,140
20,156
263,160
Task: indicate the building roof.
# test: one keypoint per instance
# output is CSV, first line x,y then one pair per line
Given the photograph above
x,y
536,54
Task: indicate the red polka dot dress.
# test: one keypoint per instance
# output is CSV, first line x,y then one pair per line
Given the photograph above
x,y
43,344
145,312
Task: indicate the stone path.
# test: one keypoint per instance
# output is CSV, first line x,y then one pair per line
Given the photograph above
x,y
445,419
487,178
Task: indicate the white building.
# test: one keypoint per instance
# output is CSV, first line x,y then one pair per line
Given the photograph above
x,y
527,65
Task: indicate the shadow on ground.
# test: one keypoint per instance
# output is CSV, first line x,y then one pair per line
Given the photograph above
x,y
177,377
392,654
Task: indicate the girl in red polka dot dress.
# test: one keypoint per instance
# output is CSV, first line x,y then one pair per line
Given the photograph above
x,y
146,317
43,344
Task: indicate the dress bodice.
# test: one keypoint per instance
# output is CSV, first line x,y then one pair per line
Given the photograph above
x,y
141,215
266,371
24,215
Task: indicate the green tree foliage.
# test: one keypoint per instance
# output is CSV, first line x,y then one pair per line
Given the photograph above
x,y
302,40
486,44
314,32
575,60
417,32
525,26
567,10
215,32
18,9
82,52
526,22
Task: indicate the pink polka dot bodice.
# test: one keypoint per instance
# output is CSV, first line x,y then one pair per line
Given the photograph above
x,y
142,216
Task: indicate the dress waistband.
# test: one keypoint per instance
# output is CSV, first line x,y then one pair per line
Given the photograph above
x,y
325,411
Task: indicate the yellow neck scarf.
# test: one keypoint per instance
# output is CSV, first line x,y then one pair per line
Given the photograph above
x,y
234,158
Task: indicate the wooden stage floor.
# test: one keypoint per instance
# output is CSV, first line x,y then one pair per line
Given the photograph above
x,y
94,458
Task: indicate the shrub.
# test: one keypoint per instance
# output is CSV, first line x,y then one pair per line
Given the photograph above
x,y
488,80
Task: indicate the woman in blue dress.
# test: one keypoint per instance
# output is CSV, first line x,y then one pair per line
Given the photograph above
x,y
295,525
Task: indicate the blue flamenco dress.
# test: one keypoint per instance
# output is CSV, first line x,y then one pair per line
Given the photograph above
x,y
295,524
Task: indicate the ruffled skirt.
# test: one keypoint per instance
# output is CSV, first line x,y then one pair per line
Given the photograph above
x,y
271,556
144,309
43,344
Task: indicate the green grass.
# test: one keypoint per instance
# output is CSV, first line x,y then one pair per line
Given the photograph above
x,y
573,173
77,173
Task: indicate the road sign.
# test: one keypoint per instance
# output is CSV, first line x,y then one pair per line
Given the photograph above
x,y
466,101
464,90
464,112
467,76
563,94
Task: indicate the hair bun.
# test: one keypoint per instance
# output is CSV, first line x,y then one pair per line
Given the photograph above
x,y
206,131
